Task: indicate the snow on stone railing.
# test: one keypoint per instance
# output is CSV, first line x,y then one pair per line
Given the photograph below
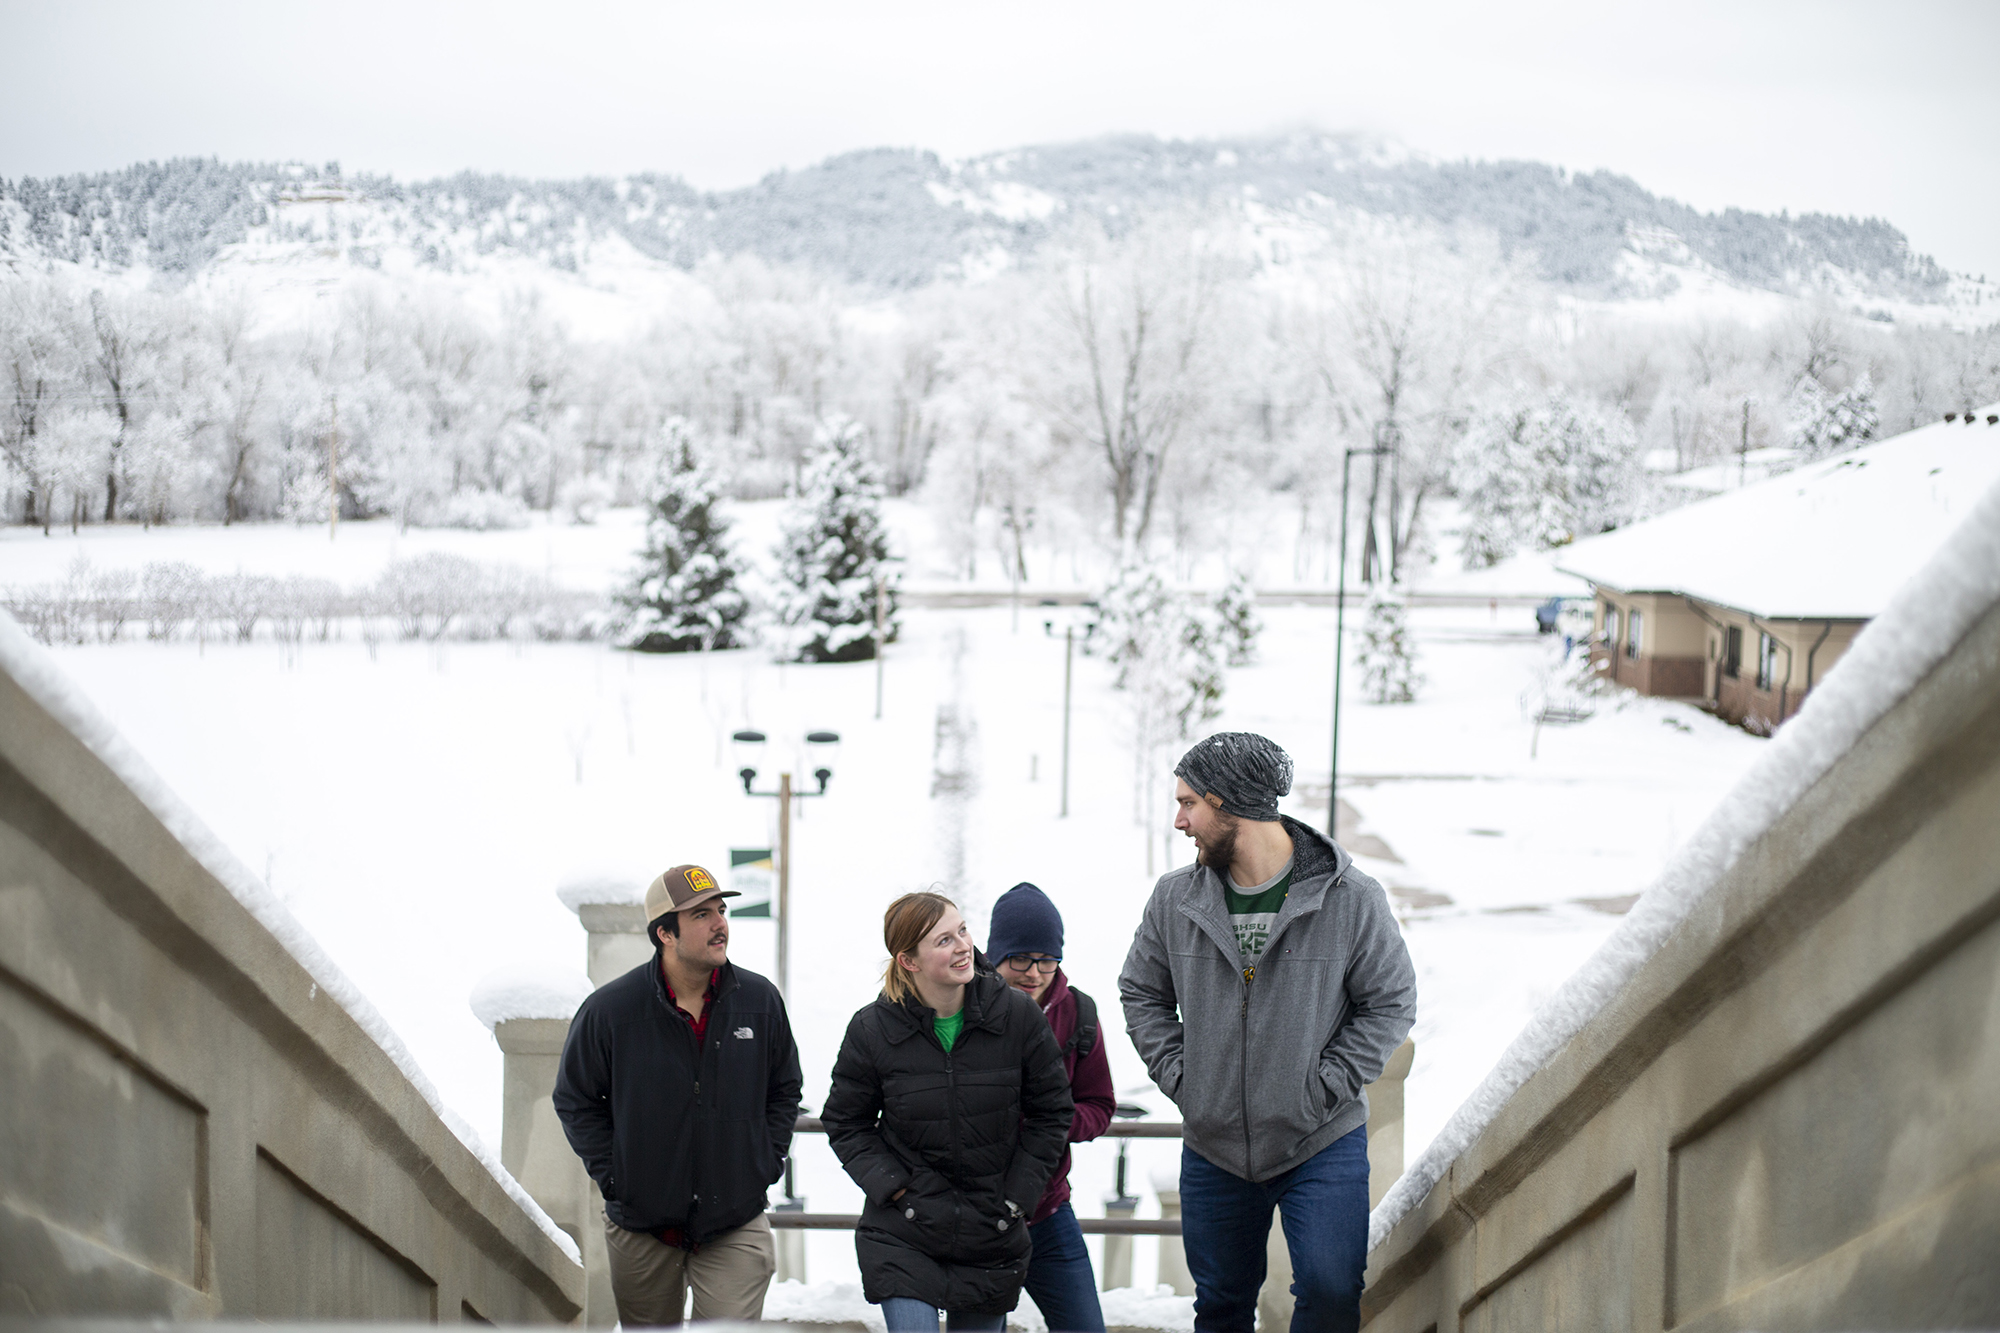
x,y
608,896
1922,623
528,991
34,669
603,886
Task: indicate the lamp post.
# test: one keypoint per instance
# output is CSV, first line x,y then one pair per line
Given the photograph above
x,y
819,746
1069,661
1339,637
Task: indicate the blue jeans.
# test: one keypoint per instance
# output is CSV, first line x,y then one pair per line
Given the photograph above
x,y
1226,1221
1059,1276
907,1314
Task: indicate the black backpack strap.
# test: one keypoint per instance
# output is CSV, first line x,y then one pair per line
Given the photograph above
x,y
1084,1036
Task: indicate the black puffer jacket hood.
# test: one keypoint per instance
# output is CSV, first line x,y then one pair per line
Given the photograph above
x,y
964,1132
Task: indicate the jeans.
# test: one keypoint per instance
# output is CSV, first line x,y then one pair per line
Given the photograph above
x,y
907,1314
1059,1277
1226,1221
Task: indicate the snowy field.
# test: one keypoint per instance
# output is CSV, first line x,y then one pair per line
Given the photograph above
x,y
416,806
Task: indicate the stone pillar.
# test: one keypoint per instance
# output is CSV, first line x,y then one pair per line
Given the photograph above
x,y
618,940
1385,1164
1118,1249
1173,1254
610,905
535,1151
532,1145
791,1243
1385,1123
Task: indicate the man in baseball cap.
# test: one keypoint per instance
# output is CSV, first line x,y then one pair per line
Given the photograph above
x,y
679,1089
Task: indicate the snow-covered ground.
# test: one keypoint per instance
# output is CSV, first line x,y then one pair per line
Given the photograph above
x,y
416,807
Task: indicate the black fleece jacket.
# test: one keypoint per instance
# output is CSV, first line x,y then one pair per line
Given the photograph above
x,y
675,1136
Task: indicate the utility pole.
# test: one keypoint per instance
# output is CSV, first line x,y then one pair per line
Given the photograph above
x,y
1069,657
784,881
1340,634
333,474
881,614
1743,449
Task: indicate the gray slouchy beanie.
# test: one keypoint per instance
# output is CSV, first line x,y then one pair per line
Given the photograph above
x,y
1245,771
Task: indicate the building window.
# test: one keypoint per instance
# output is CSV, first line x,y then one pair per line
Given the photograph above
x,y
1610,623
1633,622
1767,661
1732,653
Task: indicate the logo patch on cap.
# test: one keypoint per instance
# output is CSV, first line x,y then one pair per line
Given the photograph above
x,y
699,880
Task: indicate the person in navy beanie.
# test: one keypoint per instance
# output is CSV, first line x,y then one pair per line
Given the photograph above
x,y
1025,942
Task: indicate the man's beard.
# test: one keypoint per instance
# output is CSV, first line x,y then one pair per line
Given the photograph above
x,y
1219,852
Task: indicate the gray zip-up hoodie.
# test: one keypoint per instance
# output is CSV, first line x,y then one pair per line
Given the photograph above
x,y
1268,1065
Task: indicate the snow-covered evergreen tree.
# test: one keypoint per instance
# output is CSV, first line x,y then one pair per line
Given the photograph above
x,y
1236,618
684,597
832,552
1165,648
1545,472
1387,656
1825,423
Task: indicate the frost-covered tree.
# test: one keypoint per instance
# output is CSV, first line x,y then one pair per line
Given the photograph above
x,y
832,552
1169,655
1545,472
67,459
1165,647
1127,368
1387,655
1825,423
1237,621
161,469
1400,331
685,597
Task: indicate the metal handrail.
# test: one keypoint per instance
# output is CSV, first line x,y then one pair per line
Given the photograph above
x,y
783,1219
794,1220
1117,1129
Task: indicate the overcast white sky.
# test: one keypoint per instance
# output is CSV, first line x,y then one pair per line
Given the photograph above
x,y
1833,106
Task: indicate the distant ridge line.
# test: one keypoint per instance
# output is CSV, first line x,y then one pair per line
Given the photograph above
x,y
895,219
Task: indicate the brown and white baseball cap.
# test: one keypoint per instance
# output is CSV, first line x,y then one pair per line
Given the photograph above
x,y
681,888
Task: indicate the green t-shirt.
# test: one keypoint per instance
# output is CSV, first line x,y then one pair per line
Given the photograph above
x,y
947,1029
1252,912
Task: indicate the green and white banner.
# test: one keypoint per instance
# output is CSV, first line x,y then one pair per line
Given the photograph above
x,y
752,874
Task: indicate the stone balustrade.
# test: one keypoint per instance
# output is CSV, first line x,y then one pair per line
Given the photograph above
x,y
1785,1117
191,1126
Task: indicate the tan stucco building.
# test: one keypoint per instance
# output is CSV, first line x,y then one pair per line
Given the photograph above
x,y
1746,600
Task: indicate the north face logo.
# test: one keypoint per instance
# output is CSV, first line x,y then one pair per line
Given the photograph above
x,y
744,1034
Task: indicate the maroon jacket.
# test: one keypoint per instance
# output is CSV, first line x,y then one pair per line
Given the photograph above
x,y
1089,1086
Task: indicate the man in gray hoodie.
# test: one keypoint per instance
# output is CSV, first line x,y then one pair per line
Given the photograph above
x,y
1266,987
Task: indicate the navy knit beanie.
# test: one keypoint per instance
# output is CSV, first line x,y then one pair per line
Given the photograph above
x,y
1024,921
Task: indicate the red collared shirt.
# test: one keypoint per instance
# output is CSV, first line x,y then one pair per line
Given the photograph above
x,y
707,1004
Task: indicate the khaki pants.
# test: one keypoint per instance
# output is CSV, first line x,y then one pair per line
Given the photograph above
x,y
650,1279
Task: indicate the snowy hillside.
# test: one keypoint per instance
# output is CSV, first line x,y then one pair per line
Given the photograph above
x,y
888,219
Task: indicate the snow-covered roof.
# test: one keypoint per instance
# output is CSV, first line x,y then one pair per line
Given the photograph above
x,y
1831,540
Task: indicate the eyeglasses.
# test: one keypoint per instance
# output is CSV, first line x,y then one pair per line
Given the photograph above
x,y
1021,962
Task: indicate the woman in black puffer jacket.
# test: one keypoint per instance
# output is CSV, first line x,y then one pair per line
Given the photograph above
x,y
950,1109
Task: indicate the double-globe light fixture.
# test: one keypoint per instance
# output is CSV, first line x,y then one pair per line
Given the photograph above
x,y
821,748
